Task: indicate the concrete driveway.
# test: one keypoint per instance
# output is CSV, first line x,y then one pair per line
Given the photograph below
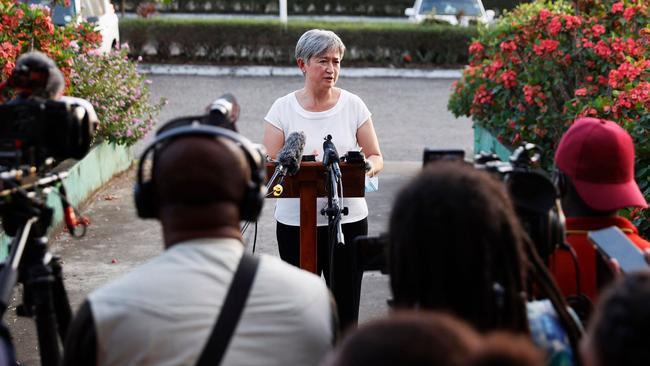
x,y
409,114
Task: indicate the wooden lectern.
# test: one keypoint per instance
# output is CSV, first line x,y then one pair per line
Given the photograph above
x,y
308,184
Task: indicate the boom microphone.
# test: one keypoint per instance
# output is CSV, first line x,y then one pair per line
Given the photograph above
x,y
223,112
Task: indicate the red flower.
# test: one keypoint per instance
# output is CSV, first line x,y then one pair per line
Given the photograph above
x,y
598,30
482,96
581,92
491,69
603,50
617,7
509,79
544,14
555,26
572,21
545,47
515,139
476,48
629,13
8,68
508,46
533,95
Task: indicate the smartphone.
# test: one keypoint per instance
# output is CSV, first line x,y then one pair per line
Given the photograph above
x,y
431,155
612,243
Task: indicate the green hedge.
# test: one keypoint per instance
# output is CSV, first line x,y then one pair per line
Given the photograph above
x,y
338,7
268,42
393,8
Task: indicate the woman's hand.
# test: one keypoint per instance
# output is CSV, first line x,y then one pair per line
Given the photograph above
x,y
372,163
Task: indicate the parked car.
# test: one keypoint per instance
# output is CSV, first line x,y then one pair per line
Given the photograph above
x,y
454,12
101,13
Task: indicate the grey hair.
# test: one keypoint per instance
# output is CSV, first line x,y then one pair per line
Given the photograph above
x,y
316,42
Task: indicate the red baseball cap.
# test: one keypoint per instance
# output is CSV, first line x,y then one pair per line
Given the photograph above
x,y
598,156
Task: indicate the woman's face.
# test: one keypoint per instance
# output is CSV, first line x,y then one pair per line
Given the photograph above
x,y
323,70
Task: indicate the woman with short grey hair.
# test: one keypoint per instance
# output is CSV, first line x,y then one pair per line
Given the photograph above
x,y
319,109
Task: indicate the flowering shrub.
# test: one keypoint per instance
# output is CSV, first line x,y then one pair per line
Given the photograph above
x,y
110,82
27,27
119,93
545,64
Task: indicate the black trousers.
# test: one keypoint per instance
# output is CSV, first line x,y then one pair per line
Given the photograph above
x,y
347,272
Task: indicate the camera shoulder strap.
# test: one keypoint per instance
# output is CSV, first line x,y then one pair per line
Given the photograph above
x,y
231,311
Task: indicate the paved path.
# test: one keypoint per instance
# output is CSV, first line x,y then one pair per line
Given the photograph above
x,y
409,114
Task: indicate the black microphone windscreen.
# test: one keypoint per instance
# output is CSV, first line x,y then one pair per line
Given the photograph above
x,y
224,111
291,153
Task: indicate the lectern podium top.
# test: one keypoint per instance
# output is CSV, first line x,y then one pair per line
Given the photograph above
x,y
353,179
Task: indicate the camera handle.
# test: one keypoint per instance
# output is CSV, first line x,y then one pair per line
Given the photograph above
x,y
31,264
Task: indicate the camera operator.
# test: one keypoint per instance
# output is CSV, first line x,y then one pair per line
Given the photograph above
x,y
36,77
595,177
203,181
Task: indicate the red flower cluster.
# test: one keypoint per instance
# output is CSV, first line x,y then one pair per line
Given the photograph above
x,y
476,48
539,69
533,94
546,47
482,96
26,27
509,79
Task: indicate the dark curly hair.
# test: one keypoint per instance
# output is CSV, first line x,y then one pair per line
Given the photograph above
x,y
620,329
457,245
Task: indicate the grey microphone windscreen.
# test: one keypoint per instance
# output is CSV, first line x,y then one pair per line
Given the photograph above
x,y
291,153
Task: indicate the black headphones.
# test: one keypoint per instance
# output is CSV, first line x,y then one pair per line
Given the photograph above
x,y
251,205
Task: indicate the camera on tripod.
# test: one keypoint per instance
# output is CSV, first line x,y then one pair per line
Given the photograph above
x,y
529,187
33,130
38,129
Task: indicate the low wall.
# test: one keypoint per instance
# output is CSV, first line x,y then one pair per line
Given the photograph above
x,y
85,177
485,141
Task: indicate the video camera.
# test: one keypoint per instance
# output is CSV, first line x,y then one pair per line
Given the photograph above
x,y
533,194
33,130
531,190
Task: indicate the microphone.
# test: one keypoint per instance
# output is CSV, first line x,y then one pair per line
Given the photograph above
x,y
330,155
223,112
289,158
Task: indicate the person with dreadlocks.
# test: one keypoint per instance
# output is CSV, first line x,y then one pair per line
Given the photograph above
x,y
456,245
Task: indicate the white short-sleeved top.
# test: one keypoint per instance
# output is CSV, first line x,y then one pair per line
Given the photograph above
x,y
342,122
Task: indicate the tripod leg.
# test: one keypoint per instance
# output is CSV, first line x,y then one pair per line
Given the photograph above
x,y
46,327
62,309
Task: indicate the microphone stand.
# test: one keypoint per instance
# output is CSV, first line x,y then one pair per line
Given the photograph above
x,y
333,210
